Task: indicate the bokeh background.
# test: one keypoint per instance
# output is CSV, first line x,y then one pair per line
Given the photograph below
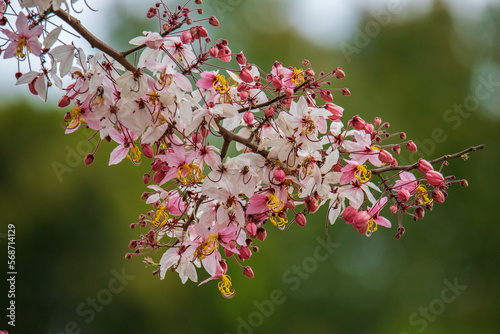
x,y
413,64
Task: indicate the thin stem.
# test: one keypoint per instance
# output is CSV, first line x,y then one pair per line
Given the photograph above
x,y
379,171
94,41
229,136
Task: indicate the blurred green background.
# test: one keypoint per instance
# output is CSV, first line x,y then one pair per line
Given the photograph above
x,y
72,220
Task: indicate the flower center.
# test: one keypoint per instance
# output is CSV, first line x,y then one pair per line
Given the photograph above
x,y
298,76
189,173
362,174
278,221
221,85
274,203
372,227
422,192
225,286
136,154
21,44
161,216
210,245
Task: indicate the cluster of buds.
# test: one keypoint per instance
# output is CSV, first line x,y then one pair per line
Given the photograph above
x,y
295,152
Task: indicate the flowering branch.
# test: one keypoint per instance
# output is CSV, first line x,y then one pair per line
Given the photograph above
x,y
296,151
445,157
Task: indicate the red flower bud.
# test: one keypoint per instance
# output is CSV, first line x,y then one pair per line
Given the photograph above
x,y
240,59
349,214
339,73
146,178
335,110
424,166
420,212
251,229
261,233
269,111
411,146
214,52
148,151
311,204
246,76
300,219
438,196
385,157
326,95
277,82
279,175
248,272
434,178
186,37
245,253
89,159
358,123
213,21
64,102
248,117
403,195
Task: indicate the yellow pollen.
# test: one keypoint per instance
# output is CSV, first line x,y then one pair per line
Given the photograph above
x,y
274,203
161,216
76,117
210,245
164,77
376,147
136,153
189,173
21,44
362,174
225,286
280,222
372,227
154,98
298,76
308,127
422,192
221,85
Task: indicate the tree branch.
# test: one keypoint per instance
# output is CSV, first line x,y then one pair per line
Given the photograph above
x,y
379,171
229,136
94,41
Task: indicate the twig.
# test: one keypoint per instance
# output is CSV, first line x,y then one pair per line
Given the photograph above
x,y
379,171
229,136
94,41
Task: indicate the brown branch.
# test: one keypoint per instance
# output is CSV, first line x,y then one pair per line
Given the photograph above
x,y
379,171
94,41
229,136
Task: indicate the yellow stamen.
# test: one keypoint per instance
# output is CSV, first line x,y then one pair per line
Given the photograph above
x,y
308,127
280,222
298,76
372,227
274,203
210,245
21,44
225,286
161,216
154,98
136,153
376,147
362,174
422,192
221,85
76,117
189,173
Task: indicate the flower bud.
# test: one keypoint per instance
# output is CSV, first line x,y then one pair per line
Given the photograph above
x,y
393,208
223,264
420,212
438,196
396,149
148,151
349,214
424,166
245,253
246,76
358,123
335,110
158,177
279,175
243,95
290,204
186,37
289,92
326,95
309,72
196,137
411,146
361,221
213,21
248,272
132,244
385,157
464,183
214,52
403,195
369,128
300,219
251,229
377,121
248,117
339,73
434,178
311,204
228,253
128,256
202,32
269,111
241,87
89,159
146,178
277,82
240,59
346,92
261,233
64,101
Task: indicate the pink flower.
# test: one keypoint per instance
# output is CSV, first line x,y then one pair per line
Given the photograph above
x,y
407,181
207,80
121,151
375,211
25,41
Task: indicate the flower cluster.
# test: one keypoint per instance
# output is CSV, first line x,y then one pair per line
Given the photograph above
x,y
294,153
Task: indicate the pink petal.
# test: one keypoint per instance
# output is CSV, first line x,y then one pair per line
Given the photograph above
x,y
118,154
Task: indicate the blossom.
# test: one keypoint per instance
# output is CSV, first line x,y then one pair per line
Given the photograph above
x,y
25,41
